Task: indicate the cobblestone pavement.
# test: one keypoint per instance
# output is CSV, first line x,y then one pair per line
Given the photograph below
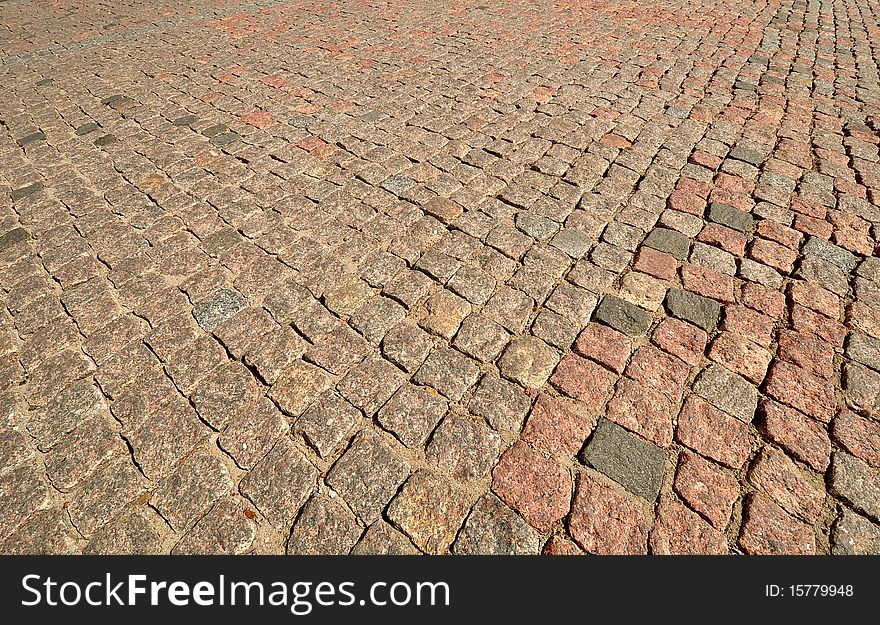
x,y
356,276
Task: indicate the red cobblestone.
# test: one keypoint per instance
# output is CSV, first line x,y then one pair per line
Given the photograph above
x,y
553,427
606,523
708,283
583,380
604,345
768,530
805,438
707,430
681,339
799,389
706,487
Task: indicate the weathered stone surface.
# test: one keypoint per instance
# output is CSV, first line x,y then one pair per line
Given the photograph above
x,y
606,523
857,483
327,422
852,534
227,529
494,529
101,496
538,488
680,531
464,448
696,309
367,475
253,433
192,488
21,494
325,527
706,487
528,361
623,316
449,372
727,391
412,414
280,483
382,539
768,530
627,459
502,404
210,313
791,487
430,511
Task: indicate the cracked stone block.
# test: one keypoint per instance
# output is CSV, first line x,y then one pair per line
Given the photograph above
x,y
449,372
528,361
678,530
325,527
226,304
706,487
131,533
510,308
502,404
228,529
798,492
408,287
494,529
376,318
627,459
367,475
669,241
253,433
430,511
730,217
228,391
97,499
768,530
857,483
191,489
412,413
728,391
464,448
696,309
164,437
623,316
555,329
382,539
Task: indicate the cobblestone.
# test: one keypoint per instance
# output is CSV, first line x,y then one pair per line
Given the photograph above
x,y
252,278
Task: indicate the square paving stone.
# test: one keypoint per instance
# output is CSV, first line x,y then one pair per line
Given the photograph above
x,y
412,414
626,458
280,484
369,385
11,237
494,529
430,511
472,284
728,391
327,422
696,309
368,475
23,192
575,243
669,241
730,217
325,528
448,371
623,316
503,404
481,338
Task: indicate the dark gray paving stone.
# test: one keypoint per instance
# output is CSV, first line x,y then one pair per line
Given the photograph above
x,y
225,305
730,217
11,237
669,241
626,458
696,309
623,316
